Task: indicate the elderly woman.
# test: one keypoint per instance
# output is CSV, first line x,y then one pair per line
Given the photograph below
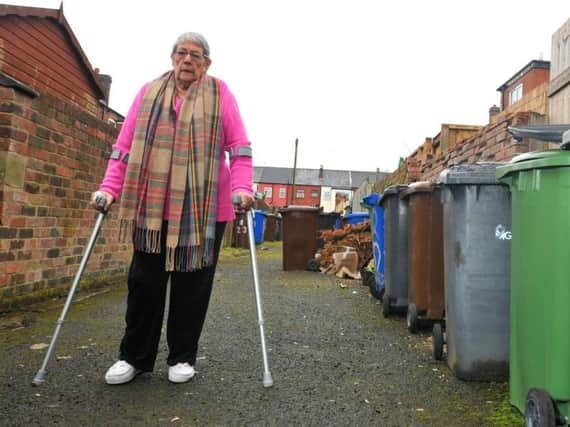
x,y
170,163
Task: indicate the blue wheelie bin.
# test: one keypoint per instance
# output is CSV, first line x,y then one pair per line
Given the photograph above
x,y
355,218
259,225
376,213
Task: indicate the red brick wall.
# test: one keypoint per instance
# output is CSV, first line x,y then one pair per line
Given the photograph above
x,y
490,143
275,200
52,156
308,199
531,80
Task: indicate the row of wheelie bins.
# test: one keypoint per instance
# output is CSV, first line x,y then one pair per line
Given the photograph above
x,y
482,256
447,253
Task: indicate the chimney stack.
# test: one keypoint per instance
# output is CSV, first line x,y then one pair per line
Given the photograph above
x,y
321,172
493,112
105,81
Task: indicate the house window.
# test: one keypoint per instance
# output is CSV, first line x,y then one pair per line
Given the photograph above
x,y
327,196
300,194
515,94
282,193
314,193
268,191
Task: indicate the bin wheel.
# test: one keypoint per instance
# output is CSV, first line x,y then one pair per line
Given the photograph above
x,y
437,341
386,306
539,409
368,279
412,318
374,290
313,265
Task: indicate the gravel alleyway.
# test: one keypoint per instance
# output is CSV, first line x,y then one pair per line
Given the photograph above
x,y
335,361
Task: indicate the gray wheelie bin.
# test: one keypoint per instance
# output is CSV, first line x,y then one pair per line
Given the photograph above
x,y
396,250
477,262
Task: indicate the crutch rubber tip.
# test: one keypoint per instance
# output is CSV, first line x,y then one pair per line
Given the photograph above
x,y
267,380
38,379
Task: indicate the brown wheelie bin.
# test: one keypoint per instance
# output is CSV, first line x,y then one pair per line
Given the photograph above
x,y
239,232
425,255
299,229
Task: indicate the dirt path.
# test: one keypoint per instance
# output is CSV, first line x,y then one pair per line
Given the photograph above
x,y
335,362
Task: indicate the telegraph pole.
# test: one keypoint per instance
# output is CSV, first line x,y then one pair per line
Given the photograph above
x,y
292,198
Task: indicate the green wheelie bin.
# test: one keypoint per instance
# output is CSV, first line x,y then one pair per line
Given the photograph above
x,y
540,285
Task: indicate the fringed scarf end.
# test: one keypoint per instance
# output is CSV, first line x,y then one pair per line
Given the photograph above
x,y
191,258
146,240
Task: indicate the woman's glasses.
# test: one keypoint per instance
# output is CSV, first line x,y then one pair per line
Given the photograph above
x,y
194,56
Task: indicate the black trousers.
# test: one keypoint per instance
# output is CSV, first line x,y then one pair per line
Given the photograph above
x,y
189,298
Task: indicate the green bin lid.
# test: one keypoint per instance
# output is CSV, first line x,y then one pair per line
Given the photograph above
x,y
535,160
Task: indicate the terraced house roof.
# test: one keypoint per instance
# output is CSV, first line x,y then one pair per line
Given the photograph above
x,y
342,179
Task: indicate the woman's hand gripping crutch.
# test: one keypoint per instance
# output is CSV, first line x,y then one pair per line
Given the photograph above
x,y
240,205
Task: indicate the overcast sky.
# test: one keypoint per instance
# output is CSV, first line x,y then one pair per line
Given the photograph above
x,y
360,83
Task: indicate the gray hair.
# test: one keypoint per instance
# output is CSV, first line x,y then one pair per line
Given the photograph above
x,y
192,37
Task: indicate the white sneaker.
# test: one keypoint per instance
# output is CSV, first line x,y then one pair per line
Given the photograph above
x,y
180,373
120,373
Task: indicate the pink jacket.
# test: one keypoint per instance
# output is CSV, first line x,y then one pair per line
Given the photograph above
x,y
235,175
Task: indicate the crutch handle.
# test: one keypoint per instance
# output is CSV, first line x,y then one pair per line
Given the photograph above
x,y
237,202
236,199
100,201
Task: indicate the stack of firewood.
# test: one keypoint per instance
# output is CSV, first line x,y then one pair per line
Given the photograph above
x,y
346,250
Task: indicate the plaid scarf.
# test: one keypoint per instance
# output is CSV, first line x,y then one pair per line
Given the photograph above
x,y
180,156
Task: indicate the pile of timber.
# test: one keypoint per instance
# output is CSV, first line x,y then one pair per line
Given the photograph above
x,y
346,250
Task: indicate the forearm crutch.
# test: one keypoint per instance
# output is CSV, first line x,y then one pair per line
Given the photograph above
x,y
267,379
100,201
